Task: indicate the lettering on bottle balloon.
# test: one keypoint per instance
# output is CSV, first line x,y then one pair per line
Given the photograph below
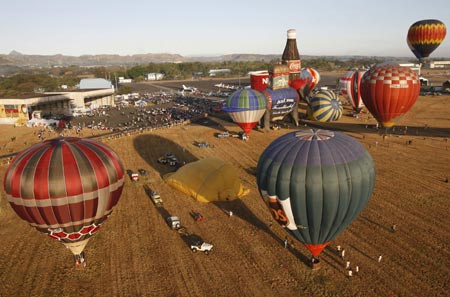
x,y
294,65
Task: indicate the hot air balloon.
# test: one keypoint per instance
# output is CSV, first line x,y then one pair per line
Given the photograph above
x,y
280,102
325,106
65,188
246,107
425,36
388,91
309,78
349,87
315,183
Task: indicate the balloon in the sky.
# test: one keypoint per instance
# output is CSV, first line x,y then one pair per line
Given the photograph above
x,y
425,36
325,106
65,188
315,183
389,91
349,87
246,107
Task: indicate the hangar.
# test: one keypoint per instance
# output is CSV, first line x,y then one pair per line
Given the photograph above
x,y
93,94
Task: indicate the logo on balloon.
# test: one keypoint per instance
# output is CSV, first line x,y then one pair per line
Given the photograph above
x,y
277,211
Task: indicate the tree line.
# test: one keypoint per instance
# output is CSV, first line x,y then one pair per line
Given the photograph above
x,y
52,79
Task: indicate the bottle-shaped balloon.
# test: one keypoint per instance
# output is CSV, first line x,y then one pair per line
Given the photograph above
x,y
291,56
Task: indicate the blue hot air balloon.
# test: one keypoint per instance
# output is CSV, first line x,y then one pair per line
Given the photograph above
x,y
246,107
315,183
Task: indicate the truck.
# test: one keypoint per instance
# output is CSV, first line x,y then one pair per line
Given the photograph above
x,y
173,222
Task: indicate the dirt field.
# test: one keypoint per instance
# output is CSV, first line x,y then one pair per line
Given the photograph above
x,y
136,254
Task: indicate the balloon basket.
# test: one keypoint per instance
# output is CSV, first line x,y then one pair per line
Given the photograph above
x,y
315,263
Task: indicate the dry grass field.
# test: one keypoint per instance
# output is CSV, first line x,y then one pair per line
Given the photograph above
x,y
136,254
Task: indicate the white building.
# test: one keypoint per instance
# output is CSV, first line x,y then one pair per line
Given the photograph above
x,y
123,80
154,76
214,72
439,64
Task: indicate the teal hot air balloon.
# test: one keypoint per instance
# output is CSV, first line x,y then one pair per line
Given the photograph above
x,y
325,106
315,183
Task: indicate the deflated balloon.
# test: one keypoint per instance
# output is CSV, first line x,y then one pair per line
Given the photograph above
x,y
65,187
207,180
425,36
315,183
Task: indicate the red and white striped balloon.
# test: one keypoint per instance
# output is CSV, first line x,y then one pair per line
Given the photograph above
x,y
65,187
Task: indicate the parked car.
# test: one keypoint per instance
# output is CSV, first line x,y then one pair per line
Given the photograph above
x,y
142,171
223,134
156,198
197,244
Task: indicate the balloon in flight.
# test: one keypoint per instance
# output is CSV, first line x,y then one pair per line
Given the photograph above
x,y
65,188
425,36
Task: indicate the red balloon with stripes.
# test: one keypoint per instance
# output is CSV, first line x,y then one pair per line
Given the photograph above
x,y
389,91
65,187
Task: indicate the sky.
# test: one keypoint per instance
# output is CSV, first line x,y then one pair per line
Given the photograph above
x,y
208,28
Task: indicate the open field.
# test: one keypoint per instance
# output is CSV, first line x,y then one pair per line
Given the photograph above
x,y
136,254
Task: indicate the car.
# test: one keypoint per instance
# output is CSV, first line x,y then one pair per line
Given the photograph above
x,y
197,244
162,160
223,134
142,171
156,198
134,176
201,144
173,161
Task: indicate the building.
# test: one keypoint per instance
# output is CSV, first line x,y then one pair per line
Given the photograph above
x,y
20,109
439,64
123,80
214,72
154,76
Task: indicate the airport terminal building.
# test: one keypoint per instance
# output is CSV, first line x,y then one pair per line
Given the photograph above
x,y
91,94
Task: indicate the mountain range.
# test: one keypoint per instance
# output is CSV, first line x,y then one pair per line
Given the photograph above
x,y
14,61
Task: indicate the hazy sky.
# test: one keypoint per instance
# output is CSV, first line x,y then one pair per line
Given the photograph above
x,y
126,27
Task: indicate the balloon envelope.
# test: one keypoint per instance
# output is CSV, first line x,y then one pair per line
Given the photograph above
x,y
325,106
309,78
65,187
349,87
388,91
246,107
207,180
315,183
425,36
280,102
